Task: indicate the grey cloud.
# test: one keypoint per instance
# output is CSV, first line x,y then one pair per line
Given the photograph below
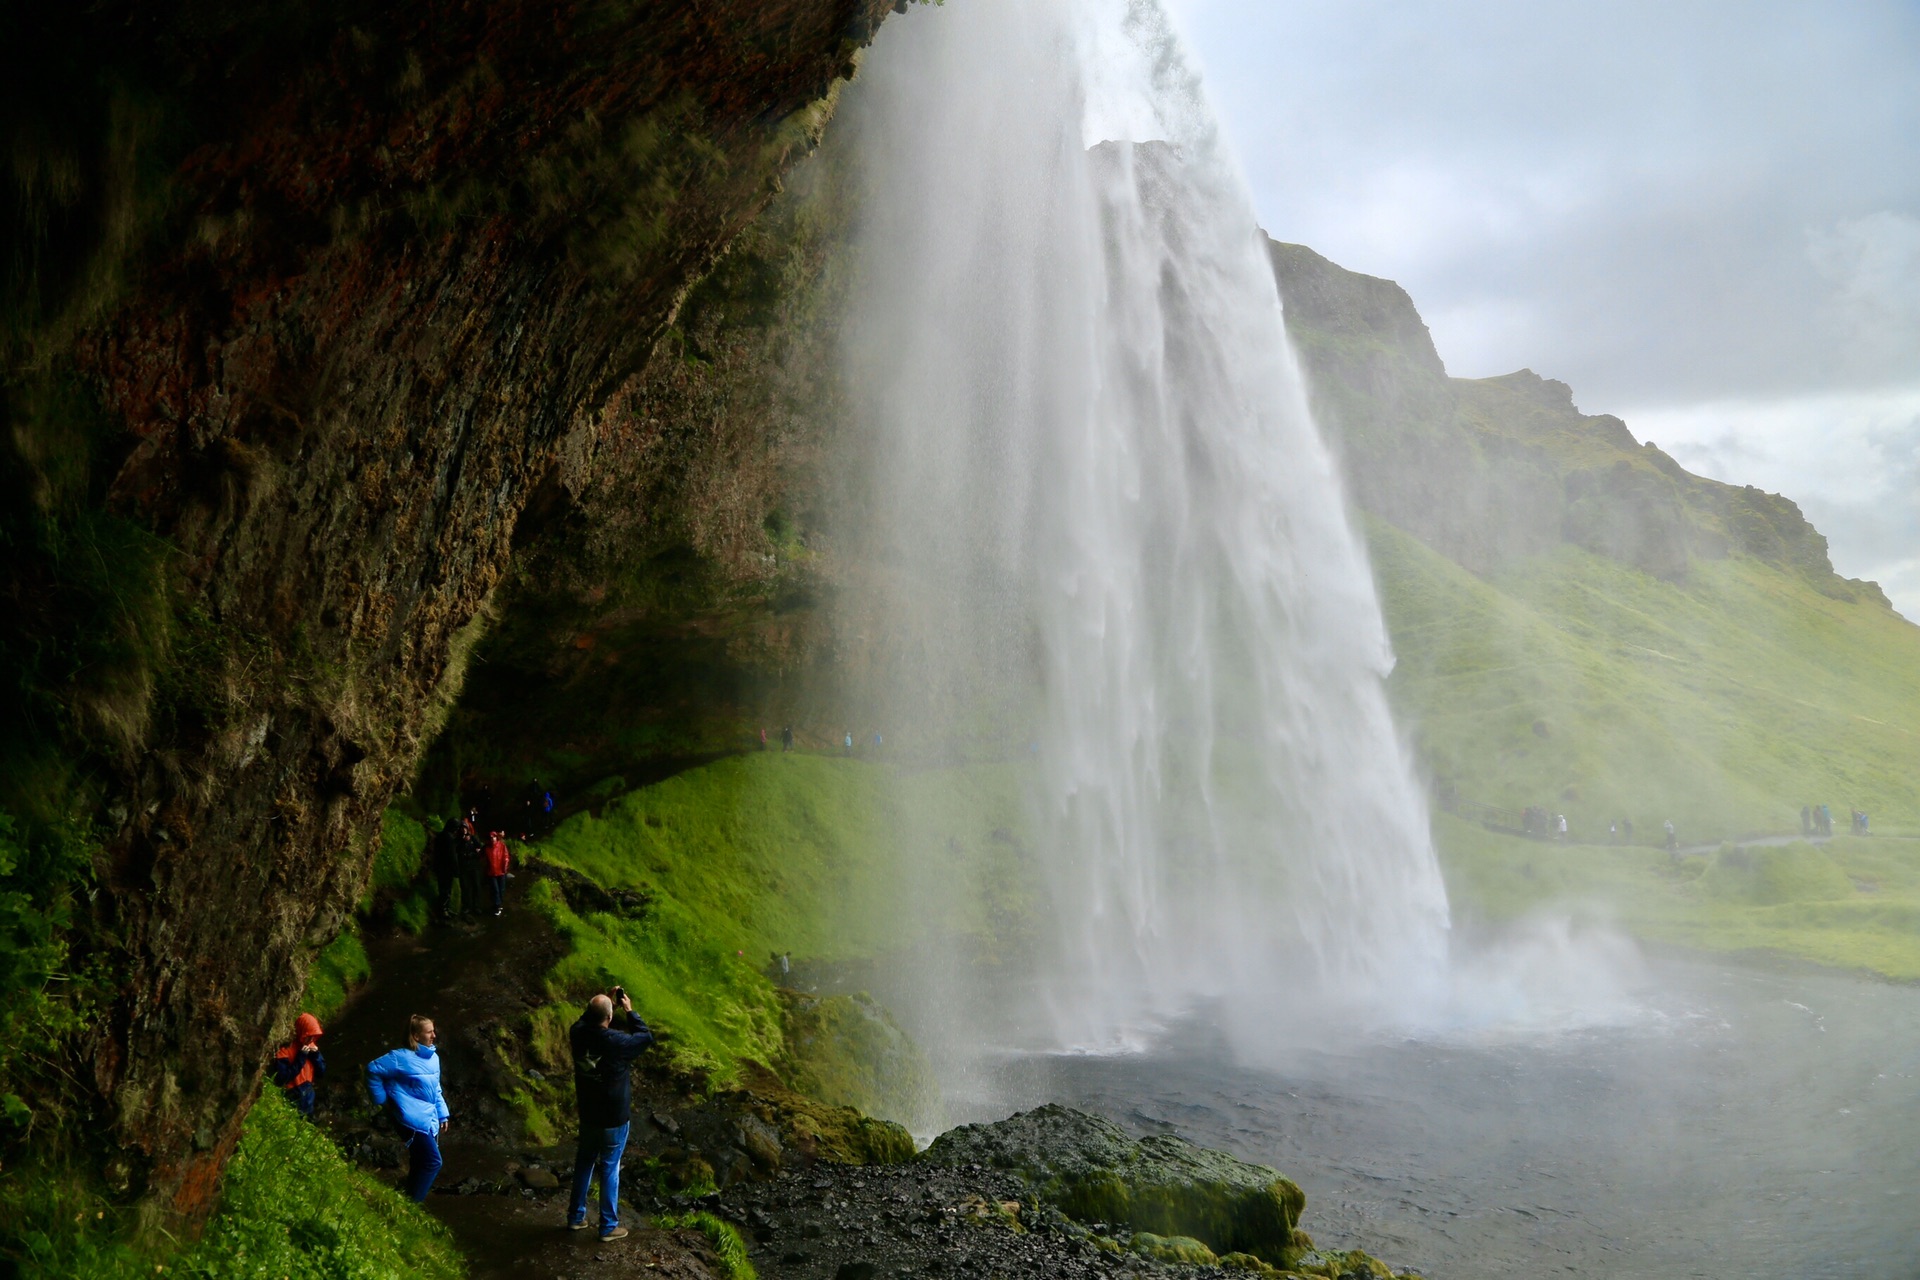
x,y
1651,201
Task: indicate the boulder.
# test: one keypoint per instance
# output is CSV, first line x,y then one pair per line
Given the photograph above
x,y
1090,1169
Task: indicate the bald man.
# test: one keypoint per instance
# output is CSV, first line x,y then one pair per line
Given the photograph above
x,y
603,1088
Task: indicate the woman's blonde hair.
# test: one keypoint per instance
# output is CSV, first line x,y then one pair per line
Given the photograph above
x,y
415,1025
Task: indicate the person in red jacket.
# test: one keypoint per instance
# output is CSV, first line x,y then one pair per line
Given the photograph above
x,y
298,1063
498,861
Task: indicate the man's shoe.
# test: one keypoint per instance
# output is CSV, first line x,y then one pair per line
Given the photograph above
x,y
618,1233
577,1226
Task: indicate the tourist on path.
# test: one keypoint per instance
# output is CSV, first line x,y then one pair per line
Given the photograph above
x,y
849,744
499,862
446,865
603,1092
299,1063
472,864
786,738
407,1082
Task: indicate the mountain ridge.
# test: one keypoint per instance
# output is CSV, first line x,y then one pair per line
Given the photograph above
x,y
1490,470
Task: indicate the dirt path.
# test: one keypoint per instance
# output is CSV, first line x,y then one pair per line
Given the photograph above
x,y
475,977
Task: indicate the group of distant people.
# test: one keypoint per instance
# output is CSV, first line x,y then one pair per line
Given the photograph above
x,y
405,1083
1817,820
476,861
1536,821
785,734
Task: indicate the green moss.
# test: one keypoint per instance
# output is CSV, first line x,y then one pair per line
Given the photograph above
x,y
720,1234
822,858
1091,1170
336,971
1174,1249
397,859
848,1050
292,1207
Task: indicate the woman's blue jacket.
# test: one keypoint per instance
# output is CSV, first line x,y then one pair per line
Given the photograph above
x,y
410,1080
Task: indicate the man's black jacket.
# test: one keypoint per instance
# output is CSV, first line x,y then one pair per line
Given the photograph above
x,y
603,1069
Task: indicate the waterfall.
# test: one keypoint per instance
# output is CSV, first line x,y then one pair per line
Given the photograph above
x,y
1119,537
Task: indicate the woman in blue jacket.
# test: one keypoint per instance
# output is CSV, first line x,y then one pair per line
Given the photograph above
x,y
408,1081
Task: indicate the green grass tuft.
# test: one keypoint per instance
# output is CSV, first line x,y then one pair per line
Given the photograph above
x,y
720,1234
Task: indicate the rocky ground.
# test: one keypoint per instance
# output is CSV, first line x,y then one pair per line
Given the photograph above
x,y
1025,1197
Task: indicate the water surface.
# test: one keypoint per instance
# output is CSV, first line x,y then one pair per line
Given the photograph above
x,y
1750,1122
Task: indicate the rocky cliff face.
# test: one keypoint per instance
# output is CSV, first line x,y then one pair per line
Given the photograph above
x,y
1489,470
305,309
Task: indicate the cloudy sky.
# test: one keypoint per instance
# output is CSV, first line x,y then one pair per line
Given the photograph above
x,y
1703,214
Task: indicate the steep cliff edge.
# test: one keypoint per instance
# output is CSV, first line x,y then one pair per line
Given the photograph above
x,y
1489,471
303,309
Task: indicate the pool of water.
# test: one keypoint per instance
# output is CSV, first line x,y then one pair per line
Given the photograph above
x,y
1745,1122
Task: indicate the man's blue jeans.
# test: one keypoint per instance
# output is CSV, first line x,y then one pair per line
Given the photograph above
x,y
598,1154
423,1164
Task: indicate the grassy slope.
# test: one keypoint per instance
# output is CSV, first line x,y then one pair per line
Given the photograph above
x,y
829,859
1724,703
292,1208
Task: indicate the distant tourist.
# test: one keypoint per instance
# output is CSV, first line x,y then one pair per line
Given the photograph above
x,y
299,1063
499,862
1560,827
407,1083
763,738
1673,840
876,742
446,865
473,847
786,738
603,1093
849,742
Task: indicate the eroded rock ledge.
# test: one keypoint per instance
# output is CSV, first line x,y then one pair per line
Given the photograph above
x,y
329,296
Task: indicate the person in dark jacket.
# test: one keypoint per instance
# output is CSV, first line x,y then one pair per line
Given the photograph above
x,y
299,1063
603,1090
446,866
473,886
407,1083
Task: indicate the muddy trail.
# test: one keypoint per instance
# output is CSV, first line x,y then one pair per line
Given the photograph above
x,y
505,1200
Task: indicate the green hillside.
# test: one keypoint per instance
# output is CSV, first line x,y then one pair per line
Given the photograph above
x,y
1724,702
1584,626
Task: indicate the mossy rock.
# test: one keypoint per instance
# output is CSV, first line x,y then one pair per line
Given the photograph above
x,y
1089,1169
1174,1249
848,1051
819,1130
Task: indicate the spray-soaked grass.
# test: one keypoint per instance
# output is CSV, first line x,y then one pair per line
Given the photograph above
x,y
1724,703
828,859
1853,903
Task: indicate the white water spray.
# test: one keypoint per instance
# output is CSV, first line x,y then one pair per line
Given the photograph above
x,y
1104,497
